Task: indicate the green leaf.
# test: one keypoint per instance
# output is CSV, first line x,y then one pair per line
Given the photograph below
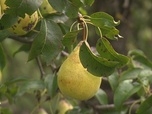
x,y
24,47
106,24
29,86
124,90
114,80
51,84
53,45
69,38
105,50
71,10
146,105
101,19
2,58
5,111
96,65
88,2
8,20
4,34
39,42
58,5
145,75
140,57
76,3
20,7
131,73
102,97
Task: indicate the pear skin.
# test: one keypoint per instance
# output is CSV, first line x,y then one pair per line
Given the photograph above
x,y
74,80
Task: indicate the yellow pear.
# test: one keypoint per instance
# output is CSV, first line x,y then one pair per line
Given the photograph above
x,y
46,8
74,80
63,107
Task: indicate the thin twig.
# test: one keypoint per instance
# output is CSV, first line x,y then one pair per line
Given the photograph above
x,y
40,67
112,106
21,39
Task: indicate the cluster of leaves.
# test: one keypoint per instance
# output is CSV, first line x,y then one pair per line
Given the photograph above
x,y
48,42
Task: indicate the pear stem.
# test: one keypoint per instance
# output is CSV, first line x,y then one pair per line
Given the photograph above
x,y
84,26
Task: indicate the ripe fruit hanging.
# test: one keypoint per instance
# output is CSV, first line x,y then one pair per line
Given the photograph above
x,y
74,80
63,107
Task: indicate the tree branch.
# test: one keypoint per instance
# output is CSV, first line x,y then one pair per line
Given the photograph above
x,y
112,106
40,67
21,39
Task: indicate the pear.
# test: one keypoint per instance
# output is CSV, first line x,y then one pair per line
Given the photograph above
x,y
46,8
63,107
74,80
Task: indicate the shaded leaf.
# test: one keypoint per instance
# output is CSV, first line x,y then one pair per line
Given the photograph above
x,y
146,105
51,84
53,45
20,7
2,58
24,47
114,80
4,34
125,89
69,38
88,2
29,86
102,97
130,74
58,5
39,42
140,57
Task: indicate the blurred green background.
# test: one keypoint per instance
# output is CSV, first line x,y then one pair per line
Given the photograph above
x,y
136,28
